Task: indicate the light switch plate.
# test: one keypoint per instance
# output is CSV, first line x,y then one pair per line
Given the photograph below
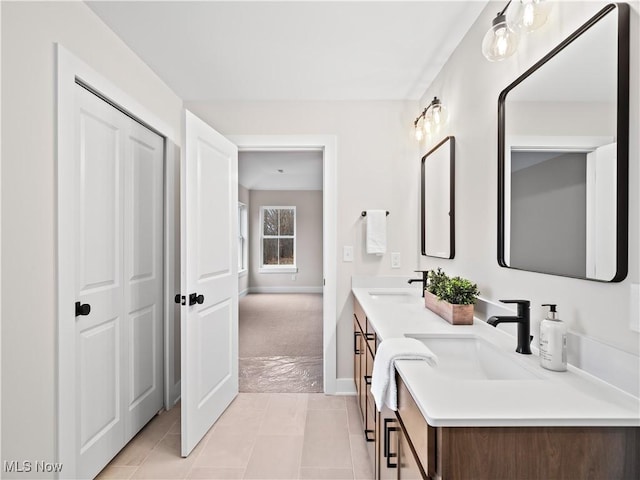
x,y
395,260
347,253
634,307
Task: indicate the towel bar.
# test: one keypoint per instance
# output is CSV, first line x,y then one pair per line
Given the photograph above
x,y
364,213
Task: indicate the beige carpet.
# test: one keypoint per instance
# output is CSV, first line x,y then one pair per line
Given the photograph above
x,y
280,343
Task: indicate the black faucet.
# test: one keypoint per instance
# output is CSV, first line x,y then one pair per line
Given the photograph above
x,y
524,325
425,273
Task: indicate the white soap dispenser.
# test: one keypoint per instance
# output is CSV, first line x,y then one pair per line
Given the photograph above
x,y
553,341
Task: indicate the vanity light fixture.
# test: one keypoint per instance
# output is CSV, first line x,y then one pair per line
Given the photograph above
x,y
501,41
434,115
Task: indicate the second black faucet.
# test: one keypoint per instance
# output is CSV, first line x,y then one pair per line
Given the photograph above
x,y
523,321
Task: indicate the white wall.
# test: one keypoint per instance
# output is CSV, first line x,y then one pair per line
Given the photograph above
x,y
29,328
377,162
308,205
597,310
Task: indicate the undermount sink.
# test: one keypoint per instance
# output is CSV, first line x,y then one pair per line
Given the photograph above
x,y
394,297
468,357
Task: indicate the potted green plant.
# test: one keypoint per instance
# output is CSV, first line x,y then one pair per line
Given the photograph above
x,y
451,298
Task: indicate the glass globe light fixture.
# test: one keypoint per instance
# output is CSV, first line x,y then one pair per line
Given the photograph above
x,y
438,112
501,41
532,14
419,130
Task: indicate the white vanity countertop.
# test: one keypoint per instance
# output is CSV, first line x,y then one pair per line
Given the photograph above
x,y
571,398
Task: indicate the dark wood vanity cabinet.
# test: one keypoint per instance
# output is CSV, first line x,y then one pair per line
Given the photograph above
x,y
380,428
453,453
402,445
363,354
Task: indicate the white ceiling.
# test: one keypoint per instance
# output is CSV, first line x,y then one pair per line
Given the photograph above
x,y
293,50
301,170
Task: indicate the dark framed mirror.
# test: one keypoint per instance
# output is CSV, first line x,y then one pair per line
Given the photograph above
x,y
563,156
438,200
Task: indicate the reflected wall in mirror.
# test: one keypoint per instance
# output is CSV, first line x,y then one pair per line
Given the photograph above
x,y
437,206
563,138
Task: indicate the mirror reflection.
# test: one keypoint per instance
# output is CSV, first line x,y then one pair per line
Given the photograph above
x,y
562,167
438,233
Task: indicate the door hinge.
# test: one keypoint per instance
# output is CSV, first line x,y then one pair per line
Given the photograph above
x,y
181,299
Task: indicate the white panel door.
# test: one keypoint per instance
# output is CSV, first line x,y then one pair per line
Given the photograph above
x,y
143,274
119,276
100,334
209,318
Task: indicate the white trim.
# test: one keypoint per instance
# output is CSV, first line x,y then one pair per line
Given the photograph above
x,y
243,293
329,146
243,273
277,269
171,269
345,386
285,290
70,67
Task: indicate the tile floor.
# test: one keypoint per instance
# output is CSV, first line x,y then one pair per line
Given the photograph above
x,y
260,436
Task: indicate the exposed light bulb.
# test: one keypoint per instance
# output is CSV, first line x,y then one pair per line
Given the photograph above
x,y
428,124
419,133
532,14
501,41
528,14
436,115
438,112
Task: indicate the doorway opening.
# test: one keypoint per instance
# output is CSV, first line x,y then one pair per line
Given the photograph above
x,y
281,271
290,298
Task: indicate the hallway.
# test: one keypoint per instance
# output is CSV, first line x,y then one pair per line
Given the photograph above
x,y
280,343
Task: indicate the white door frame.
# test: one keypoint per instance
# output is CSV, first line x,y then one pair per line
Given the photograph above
x,y
328,145
69,69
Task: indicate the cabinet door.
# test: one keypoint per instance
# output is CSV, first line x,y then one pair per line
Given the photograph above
x,y
370,417
408,466
357,365
387,445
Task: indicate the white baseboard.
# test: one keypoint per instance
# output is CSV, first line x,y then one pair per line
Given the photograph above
x,y
345,386
243,292
285,289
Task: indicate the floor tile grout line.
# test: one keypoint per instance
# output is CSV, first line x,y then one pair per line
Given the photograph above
x,y
253,446
304,435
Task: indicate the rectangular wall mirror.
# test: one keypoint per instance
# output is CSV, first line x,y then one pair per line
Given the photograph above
x,y
437,205
563,141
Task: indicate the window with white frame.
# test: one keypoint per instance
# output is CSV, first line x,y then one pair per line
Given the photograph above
x,y
278,227
243,237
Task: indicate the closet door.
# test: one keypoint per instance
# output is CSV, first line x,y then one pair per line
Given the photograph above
x,y
100,321
118,265
143,273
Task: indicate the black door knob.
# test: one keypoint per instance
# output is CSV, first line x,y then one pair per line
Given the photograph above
x,y
82,309
195,298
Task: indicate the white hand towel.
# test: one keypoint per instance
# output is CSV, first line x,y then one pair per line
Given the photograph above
x,y
376,231
383,381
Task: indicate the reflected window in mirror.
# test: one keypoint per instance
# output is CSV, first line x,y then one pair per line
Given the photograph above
x,y
563,156
437,203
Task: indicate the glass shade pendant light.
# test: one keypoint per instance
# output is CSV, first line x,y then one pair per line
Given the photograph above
x,y
419,129
430,120
438,112
501,41
532,14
